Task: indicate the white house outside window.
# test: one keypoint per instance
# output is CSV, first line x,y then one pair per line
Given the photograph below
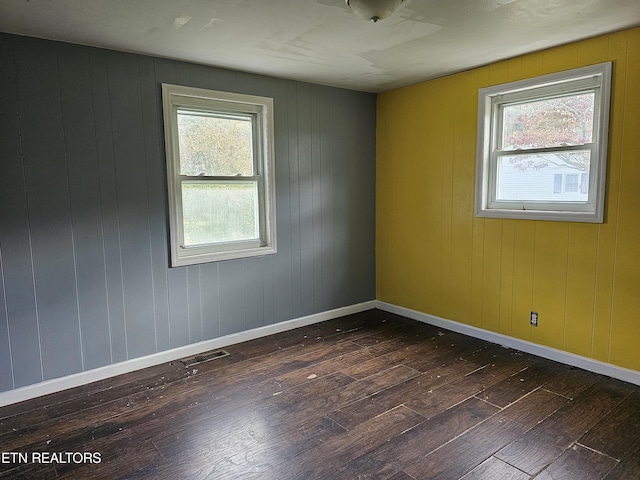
x,y
542,146
220,174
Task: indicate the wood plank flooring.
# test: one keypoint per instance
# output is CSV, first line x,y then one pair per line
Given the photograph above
x,y
367,396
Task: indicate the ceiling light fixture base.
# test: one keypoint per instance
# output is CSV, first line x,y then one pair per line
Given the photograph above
x,y
374,10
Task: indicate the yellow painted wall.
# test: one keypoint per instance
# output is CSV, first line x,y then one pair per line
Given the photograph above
x,y
434,256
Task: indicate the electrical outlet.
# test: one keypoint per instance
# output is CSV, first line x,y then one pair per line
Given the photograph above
x,y
534,319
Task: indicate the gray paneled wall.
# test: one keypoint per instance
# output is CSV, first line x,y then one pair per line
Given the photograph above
x,y
83,216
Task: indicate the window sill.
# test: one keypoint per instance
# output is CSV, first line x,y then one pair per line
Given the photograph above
x,y
556,215
198,258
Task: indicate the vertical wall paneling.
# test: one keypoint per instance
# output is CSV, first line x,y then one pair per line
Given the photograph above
x,y
549,282
84,191
352,194
6,363
477,271
48,200
386,184
209,295
416,272
282,268
366,230
232,307
305,181
462,200
326,194
199,76
245,82
491,273
156,191
268,292
178,307
85,277
294,203
430,212
477,224
523,277
389,181
505,307
194,303
183,74
581,278
362,186
561,58
224,80
580,288
605,267
133,206
253,292
444,290
626,301
342,129
354,173
316,196
109,215
17,273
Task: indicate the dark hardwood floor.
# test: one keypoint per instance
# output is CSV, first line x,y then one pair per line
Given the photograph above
x,y
368,396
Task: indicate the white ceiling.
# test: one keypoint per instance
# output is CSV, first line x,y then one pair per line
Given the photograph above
x,y
322,41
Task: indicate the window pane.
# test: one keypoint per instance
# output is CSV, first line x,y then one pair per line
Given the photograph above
x,y
216,212
214,145
549,123
538,178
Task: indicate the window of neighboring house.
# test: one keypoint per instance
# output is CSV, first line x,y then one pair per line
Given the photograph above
x,y
584,182
557,183
220,174
541,137
571,182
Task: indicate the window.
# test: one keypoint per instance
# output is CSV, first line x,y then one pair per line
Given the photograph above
x,y
571,182
542,146
557,183
220,174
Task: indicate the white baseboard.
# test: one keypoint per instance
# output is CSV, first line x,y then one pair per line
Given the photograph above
x,y
83,378
625,374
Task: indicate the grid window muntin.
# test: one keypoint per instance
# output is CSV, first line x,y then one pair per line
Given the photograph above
x,y
492,101
179,100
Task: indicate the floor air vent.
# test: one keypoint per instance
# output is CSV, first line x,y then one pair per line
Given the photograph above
x,y
204,357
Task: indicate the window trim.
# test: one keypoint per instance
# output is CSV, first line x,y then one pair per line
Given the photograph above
x,y
177,97
490,100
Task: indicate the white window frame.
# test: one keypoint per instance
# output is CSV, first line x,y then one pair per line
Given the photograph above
x,y
260,109
596,78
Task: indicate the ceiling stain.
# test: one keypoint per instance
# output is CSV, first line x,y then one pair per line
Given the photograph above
x,y
181,22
